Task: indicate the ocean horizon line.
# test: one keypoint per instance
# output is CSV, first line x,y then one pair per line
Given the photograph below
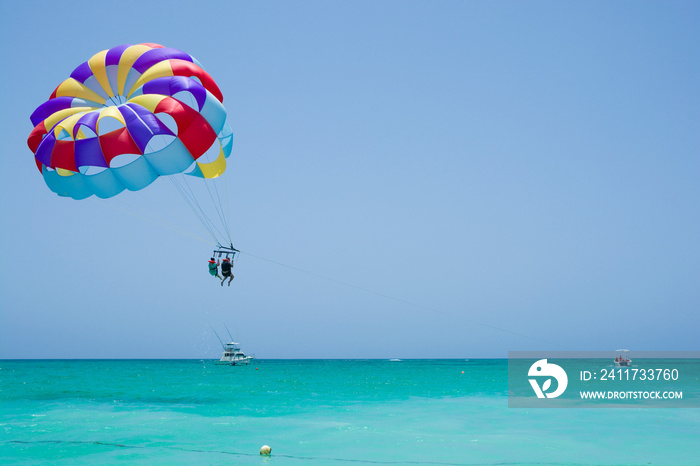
x,y
256,359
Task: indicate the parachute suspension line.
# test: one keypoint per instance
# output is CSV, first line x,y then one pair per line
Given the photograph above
x,y
218,205
188,194
228,203
180,190
198,212
213,225
223,213
214,204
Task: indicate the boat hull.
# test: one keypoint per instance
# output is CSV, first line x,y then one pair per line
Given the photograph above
x,y
235,362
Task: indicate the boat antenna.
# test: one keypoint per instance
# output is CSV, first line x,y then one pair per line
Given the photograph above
x,y
229,333
217,336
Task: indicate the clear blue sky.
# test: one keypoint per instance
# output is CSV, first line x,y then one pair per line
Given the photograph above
x,y
531,166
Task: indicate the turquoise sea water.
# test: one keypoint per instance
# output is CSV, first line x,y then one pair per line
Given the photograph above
x,y
316,412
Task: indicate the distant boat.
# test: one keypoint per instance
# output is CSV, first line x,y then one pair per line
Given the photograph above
x,y
394,359
622,359
233,356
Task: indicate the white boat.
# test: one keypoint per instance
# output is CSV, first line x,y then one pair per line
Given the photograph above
x,y
233,356
622,359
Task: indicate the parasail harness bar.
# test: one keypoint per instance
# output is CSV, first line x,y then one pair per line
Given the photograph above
x,y
228,251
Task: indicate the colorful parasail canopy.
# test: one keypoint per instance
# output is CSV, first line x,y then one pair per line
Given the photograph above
x,y
127,116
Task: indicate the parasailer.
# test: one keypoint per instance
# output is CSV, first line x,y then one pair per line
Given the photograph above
x,y
214,268
229,253
126,117
226,266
